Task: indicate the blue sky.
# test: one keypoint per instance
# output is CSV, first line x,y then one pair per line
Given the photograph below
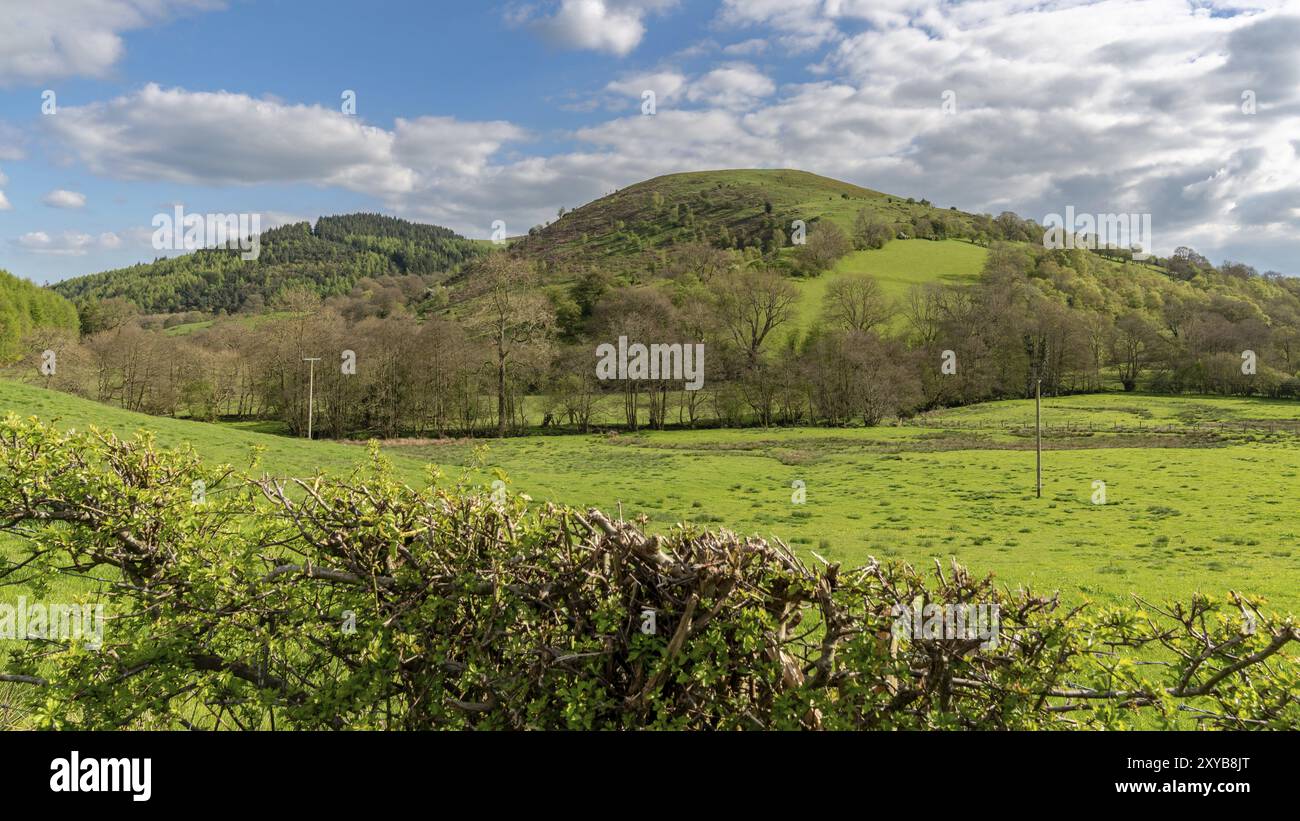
x,y
471,112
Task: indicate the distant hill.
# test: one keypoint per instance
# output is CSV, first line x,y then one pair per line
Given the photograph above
x,y
329,259
751,208
630,233
24,306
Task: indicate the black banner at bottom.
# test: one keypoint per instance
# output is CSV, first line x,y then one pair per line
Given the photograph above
x,y
144,772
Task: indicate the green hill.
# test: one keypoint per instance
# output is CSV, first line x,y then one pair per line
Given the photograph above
x,y
25,306
631,233
329,259
730,209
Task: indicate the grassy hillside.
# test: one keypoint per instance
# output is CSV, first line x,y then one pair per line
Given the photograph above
x,y
897,267
631,227
235,445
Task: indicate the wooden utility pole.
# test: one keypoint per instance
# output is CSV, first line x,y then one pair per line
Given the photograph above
x,y
311,390
1036,349
1038,435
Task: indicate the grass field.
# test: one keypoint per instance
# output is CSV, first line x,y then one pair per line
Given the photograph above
x,y
1210,511
897,267
1176,519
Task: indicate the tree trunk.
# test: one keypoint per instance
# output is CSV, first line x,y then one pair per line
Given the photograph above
x,y
501,396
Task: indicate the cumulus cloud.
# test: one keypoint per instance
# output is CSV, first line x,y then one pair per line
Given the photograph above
x,y
40,42
733,86
228,139
736,86
68,243
233,139
59,198
667,85
220,138
801,25
612,26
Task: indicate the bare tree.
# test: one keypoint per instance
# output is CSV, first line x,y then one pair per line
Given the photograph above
x,y
923,310
751,305
1131,348
511,313
855,302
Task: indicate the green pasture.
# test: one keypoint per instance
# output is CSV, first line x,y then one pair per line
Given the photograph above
x,y
1184,512
897,267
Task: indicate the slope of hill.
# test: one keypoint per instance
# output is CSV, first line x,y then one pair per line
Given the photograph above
x,y
898,266
734,208
221,444
24,306
329,259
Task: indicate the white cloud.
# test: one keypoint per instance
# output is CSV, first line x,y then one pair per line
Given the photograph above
x,y
753,46
733,86
68,243
232,139
44,41
801,25
667,85
228,139
612,26
736,86
4,203
60,198
432,146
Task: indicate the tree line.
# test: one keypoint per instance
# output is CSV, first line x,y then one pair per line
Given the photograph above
x,y
507,348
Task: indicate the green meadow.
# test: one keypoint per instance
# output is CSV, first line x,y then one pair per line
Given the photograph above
x,y
1186,508
897,267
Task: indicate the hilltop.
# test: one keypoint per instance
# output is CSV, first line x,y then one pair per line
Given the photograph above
x,y
738,209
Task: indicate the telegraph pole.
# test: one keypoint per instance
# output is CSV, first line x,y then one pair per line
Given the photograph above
x,y
311,390
1036,349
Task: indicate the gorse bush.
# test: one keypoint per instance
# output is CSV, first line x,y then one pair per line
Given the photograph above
x,y
235,601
